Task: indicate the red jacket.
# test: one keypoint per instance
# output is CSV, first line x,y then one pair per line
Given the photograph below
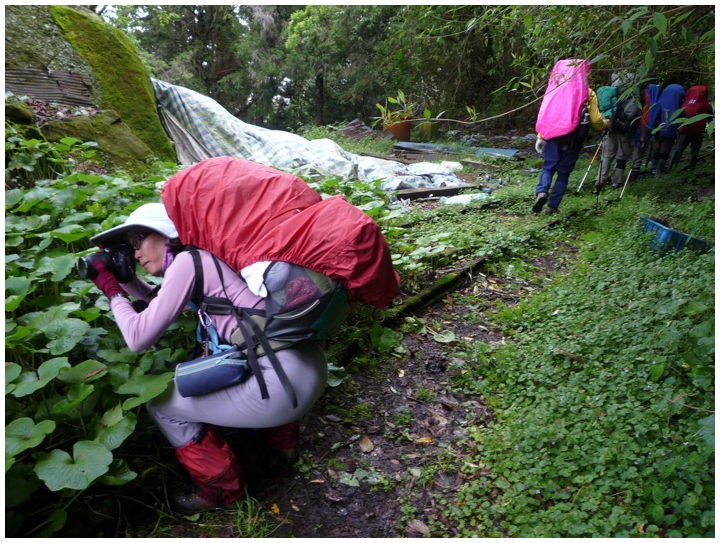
x,y
244,212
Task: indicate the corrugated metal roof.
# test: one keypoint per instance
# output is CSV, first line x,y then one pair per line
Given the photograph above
x,y
52,86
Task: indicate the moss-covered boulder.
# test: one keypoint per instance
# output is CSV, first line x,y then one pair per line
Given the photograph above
x,y
73,38
126,85
116,142
18,112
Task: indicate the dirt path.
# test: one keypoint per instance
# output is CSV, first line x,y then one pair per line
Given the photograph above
x,y
380,471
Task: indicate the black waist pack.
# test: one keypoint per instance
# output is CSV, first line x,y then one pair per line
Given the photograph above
x,y
211,373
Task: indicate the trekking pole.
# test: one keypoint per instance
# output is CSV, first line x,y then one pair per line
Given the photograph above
x,y
588,170
625,185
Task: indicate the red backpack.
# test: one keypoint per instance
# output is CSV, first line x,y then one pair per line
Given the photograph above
x,y
244,212
696,102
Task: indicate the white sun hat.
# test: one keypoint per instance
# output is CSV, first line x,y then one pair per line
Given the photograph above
x,y
151,216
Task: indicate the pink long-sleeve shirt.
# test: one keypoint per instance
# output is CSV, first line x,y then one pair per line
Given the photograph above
x,y
142,330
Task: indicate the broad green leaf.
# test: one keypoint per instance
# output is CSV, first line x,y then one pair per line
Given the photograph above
x,y
704,329
660,22
20,483
9,461
75,218
695,307
13,302
348,479
17,285
59,470
75,396
33,196
707,430
23,433
655,511
52,317
29,381
83,372
336,375
12,371
20,332
445,337
124,355
112,416
118,474
14,241
144,388
66,336
25,224
60,266
70,233
657,371
56,521
12,197
114,435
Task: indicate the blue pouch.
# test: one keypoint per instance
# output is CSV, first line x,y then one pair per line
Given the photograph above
x,y
211,373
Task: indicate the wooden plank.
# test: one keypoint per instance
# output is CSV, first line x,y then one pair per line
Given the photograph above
x,y
426,192
472,163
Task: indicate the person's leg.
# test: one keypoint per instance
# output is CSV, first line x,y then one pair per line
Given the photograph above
x,y
212,465
624,153
638,154
664,152
608,155
241,405
695,145
565,166
551,157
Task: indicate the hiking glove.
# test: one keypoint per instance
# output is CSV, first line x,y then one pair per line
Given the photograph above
x,y
540,145
106,281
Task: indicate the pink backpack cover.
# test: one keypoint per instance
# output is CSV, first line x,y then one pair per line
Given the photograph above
x,y
565,96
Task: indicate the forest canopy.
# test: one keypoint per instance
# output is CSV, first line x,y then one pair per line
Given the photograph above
x,y
288,66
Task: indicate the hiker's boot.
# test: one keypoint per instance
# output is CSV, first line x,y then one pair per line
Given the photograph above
x,y
540,201
634,175
216,473
551,210
285,441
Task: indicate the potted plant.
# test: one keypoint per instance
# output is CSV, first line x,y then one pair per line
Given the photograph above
x,y
399,120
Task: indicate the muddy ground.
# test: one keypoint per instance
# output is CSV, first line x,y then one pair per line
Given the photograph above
x,y
412,420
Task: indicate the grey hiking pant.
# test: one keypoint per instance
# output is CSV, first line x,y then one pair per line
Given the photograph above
x,y
241,406
618,147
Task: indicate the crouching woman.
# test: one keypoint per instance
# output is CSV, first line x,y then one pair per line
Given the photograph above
x,y
189,423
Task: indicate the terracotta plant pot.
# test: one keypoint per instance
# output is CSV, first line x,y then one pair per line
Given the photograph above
x,y
400,130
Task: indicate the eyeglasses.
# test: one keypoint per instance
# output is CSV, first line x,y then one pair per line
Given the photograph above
x,y
137,241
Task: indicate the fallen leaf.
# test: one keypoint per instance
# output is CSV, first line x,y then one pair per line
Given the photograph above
x,y
556,312
366,445
333,418
424,440
394,391
275,509
418,526
317,481
401,373
295,507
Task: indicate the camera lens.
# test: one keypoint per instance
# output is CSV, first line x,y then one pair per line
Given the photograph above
x,y
85,268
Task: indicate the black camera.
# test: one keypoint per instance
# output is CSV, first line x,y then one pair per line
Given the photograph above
x,y
118,260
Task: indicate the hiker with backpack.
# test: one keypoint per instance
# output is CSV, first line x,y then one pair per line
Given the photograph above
x,y
695,103
649,120
622,110
671,98
190,423
270,269
568,109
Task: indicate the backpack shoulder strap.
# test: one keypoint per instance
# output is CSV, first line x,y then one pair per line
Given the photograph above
x,y
199,278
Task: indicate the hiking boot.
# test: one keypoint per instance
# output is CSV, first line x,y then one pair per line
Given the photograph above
x,y
615,185
288,456
539,202
551,210
185,499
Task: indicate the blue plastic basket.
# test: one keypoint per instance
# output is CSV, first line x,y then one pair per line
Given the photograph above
x,y
667,238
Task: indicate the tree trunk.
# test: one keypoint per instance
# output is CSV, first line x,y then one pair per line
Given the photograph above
x,y
320,98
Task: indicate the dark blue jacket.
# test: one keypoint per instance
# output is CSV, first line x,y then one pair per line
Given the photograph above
x,y
670,101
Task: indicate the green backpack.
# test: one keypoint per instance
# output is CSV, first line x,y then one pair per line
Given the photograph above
x,y
607,98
